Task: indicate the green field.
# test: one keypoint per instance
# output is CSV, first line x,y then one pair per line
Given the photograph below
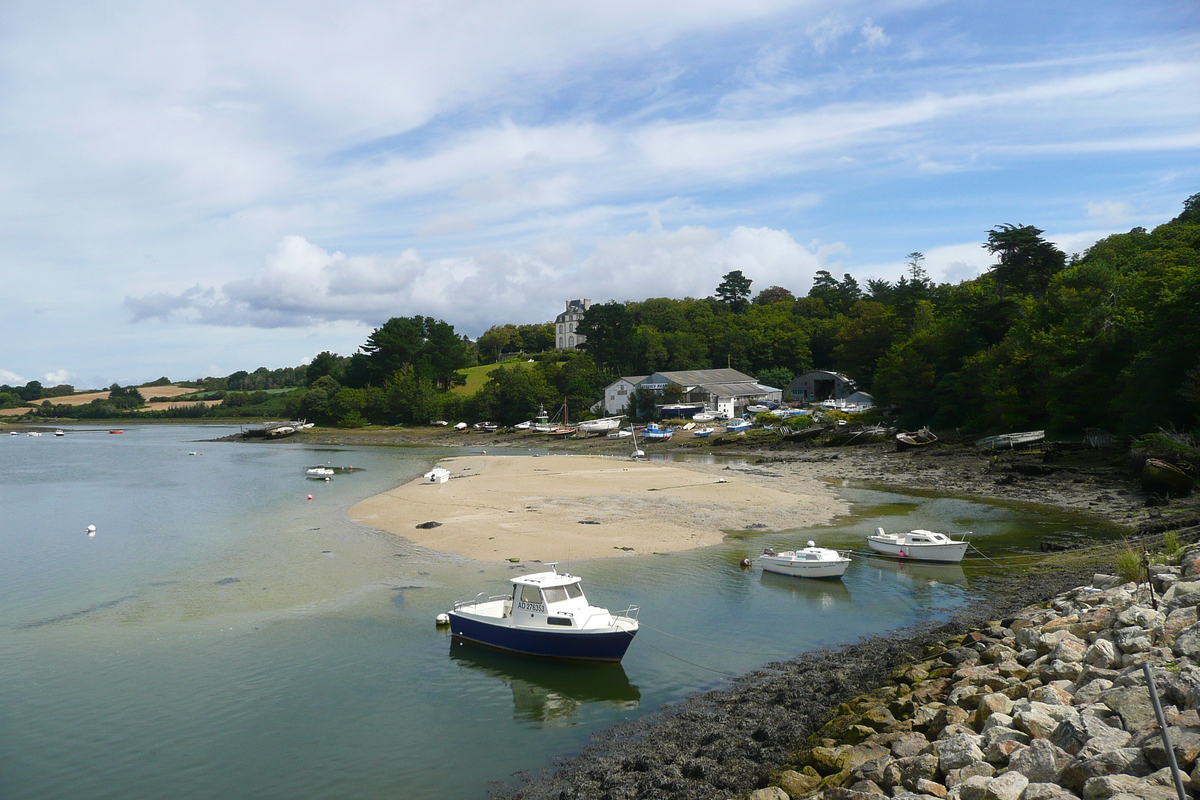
x,y
477,377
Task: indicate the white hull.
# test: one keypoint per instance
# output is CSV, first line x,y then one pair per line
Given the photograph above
x,y
910,545
600,425
811,562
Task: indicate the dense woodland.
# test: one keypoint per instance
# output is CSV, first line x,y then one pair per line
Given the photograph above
x,y
1107,339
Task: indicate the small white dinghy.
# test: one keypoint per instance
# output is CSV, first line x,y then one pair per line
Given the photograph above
x,y
810,562
919,545
319,473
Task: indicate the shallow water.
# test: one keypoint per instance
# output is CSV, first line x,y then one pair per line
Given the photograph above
x,y
222,635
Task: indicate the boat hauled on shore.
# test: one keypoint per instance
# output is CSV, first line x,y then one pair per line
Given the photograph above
x,y
548,615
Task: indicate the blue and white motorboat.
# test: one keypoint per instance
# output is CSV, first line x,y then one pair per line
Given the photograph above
x,y
546,615
656,433
738,425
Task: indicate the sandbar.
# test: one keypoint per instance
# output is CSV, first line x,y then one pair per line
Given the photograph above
x,y
561,507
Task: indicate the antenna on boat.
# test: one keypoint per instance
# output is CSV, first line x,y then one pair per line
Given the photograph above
x,y
552,565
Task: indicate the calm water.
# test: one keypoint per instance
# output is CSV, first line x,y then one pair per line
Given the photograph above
x,y
224,636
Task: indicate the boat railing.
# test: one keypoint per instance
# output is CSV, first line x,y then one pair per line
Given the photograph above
x,y
482,597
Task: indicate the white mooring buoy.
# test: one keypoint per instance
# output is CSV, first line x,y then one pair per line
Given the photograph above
x,y
91,530
442,619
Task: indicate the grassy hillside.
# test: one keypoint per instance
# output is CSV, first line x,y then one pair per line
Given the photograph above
x,y
476,378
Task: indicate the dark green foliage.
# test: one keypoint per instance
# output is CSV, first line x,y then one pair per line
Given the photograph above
x,y
429,346
734,290
1027,262
504,339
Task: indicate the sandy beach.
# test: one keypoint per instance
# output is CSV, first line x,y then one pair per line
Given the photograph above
x,y
556,507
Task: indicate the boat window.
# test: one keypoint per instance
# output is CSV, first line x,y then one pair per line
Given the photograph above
x,y
555,594
559,621
574,590
530,594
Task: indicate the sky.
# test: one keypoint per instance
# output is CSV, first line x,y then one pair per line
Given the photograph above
x,y
194,188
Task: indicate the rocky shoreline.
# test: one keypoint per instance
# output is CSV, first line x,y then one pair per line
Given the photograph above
x,y
1004,701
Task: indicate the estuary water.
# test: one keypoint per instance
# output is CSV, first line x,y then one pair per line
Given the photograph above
x,y
222,635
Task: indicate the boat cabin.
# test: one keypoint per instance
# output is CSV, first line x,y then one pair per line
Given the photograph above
x,y
551,599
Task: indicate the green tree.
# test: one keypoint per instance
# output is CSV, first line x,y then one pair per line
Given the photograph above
x,y
609,329
1025,261
734,290
773,294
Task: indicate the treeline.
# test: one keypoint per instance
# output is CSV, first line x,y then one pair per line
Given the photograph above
x,y
1109,339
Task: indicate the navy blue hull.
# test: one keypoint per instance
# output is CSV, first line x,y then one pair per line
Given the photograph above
x,y
605,646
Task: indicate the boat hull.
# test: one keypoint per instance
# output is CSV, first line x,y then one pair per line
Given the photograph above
x,y
800,569
951,553
1162,476
605,645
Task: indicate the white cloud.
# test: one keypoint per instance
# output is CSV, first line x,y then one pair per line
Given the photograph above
x,y
873,36
11,378
1109,212
446,225
58,377
300,284
825,33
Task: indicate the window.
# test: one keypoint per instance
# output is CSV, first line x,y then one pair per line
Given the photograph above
x,y
559,621
530,594
555,594
574,590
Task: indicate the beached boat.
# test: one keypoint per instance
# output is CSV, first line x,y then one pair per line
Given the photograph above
x,y
319,473
621,434
860,434
1010,441
702,433
486,427
1163,476
546,614
919,544
705,416
738,425
602,425
809,562
909,441
655,433
801,434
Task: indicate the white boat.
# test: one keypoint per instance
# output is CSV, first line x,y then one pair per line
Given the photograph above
x,y
809,562
737,426
486,427
319,473
34,433
460,426
546,614
919,545
1010,441
704,416
602,425
702,433
60,433
656,433
621,434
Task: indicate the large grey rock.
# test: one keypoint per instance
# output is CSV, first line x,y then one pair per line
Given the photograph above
x,y
1051,695
1187,642
1140,617
1070,649
1041,762
875,770
998,734
1038,724
1008,786
1180,619
1073,734
908,744
1132,704
979,769
1045,791
1185,743
957,752
1090,691
915,768
769,793
1182,594
1133,640
1108,786
1102,653
798,784
1126,760
973,788
998,721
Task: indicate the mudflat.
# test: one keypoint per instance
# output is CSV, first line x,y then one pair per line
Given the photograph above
x,y
555,507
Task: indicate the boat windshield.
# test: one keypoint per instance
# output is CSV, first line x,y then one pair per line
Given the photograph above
x,y
557,594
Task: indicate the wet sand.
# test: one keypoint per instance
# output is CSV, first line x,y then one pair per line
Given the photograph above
x,y
557,507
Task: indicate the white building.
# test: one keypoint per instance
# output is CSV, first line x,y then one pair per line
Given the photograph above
x,y
616,394
565,323
817,385
725,391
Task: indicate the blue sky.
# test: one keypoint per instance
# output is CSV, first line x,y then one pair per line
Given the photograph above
x,y
194,188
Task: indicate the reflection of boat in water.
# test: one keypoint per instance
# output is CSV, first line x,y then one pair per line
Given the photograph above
x,y
826,593
926,572
544,691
